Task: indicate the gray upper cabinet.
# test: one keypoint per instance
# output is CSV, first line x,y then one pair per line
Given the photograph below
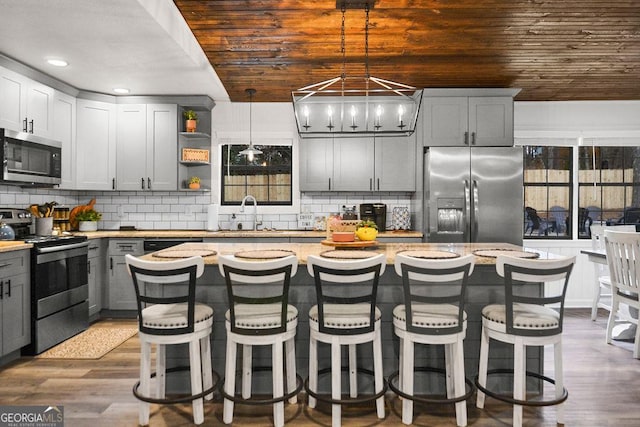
x,y
316,164
146,147
358,164
467,120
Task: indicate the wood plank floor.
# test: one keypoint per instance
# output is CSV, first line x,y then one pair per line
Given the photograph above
x,y
603,382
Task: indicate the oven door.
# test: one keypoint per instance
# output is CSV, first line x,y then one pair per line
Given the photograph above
x,y
60,277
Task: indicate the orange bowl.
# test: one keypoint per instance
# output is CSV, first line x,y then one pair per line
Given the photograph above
x,y
343,236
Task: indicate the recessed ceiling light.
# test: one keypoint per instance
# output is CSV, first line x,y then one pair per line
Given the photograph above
x,y
58,62
120,90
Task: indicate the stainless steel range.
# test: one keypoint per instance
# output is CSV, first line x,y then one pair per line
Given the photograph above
x,y
59,284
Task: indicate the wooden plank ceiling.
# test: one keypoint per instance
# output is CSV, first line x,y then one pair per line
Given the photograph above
x,y
552,49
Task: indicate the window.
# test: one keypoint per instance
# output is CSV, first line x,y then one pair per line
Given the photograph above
x,y
547,192
608,186
267,177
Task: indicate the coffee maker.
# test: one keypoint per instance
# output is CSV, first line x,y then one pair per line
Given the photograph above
x,y
376,212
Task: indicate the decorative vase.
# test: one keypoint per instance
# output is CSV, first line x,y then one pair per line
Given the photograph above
x,y
191,125
88,225
194,185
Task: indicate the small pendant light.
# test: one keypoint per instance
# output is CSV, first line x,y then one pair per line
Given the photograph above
x,y
250,151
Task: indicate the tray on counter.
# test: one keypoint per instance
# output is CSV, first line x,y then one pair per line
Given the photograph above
x,y
354,244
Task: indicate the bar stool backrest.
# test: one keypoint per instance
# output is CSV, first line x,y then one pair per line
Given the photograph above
x,y
623,258
433,281
345,283
148,278
517,271
269,298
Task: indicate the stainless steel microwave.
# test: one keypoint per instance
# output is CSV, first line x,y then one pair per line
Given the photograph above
x,y
28,159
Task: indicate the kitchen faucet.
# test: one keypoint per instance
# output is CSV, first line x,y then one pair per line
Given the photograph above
x,y
255,209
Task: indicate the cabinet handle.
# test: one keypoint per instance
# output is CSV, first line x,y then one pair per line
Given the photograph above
x,y
110,263
1,289
329,183
370,184
31,124
113,184
88,267
473,138
24,125
378,184
148,183
466,138
8,294
142,185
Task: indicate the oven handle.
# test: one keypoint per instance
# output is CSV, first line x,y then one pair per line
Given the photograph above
x,y
62,247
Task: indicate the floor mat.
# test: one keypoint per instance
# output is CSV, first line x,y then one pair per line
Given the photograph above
x,y
93,343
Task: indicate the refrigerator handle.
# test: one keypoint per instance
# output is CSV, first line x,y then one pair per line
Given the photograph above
x,y
474,229
467,210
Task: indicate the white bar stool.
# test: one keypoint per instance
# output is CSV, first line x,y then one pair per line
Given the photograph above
x,y
526,321
165,320
432,313
260,315
345,314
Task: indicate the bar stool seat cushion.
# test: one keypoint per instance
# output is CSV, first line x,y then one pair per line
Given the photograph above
x,y
344,316
170,316
429,315
262,316
525,316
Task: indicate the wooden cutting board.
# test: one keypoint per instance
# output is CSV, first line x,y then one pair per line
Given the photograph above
x,y
354,244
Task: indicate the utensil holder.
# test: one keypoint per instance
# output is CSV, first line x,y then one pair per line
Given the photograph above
x,y
44,226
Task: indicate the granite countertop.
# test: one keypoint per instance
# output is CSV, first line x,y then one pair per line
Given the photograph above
x,y
303,250
229,234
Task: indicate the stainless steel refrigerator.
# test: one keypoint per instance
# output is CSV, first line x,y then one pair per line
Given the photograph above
x,y
473,194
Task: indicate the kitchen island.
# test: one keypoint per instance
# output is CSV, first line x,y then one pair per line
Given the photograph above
x,y
485,287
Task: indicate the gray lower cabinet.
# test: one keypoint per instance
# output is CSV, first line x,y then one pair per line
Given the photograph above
x,y
15,308
121,293
95,268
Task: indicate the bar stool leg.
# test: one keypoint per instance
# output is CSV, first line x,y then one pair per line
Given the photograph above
x,y
196,380
353,371
377,368
336,386
407,381
145,381
290,358
519,381
161,367
448,361
247,357
483,367
559,378
401,364
229,381
458,377
313,370
278,382
207,373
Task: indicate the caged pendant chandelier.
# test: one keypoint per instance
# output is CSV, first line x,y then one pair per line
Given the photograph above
x,y
250,151
356,105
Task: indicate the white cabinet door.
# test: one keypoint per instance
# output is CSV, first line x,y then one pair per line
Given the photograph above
x,y
147,150
395,163
96,145
316,164
353,164
491,121
12,100
64,130
25,105
131,147
39,111
162,147
445,121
